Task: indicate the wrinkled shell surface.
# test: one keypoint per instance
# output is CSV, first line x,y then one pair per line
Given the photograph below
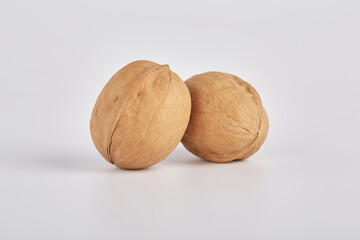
x,y
141,115
227,121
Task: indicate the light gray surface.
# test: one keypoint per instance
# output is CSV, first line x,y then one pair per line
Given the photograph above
x,y
301,56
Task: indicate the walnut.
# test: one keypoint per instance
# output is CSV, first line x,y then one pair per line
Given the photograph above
x,y
141,115
227,121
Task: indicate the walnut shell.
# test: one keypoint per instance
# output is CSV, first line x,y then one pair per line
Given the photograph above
x,y
227,121
141,115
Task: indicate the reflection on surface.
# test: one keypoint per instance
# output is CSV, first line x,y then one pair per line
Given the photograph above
x,y
181,187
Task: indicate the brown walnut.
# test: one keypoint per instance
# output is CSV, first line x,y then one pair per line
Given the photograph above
x,y
227,121
141,115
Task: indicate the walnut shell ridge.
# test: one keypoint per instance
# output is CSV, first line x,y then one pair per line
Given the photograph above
x,y
227,121
141,115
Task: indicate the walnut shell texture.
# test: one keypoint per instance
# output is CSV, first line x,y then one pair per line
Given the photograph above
x,y
141,115
227,121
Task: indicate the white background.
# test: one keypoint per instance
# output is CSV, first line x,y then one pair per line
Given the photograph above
x,y
301,56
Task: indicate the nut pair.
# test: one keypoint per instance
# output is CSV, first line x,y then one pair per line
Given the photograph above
x,y
146,109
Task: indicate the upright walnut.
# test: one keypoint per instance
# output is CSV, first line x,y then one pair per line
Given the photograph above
x,y
141,115
227,121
